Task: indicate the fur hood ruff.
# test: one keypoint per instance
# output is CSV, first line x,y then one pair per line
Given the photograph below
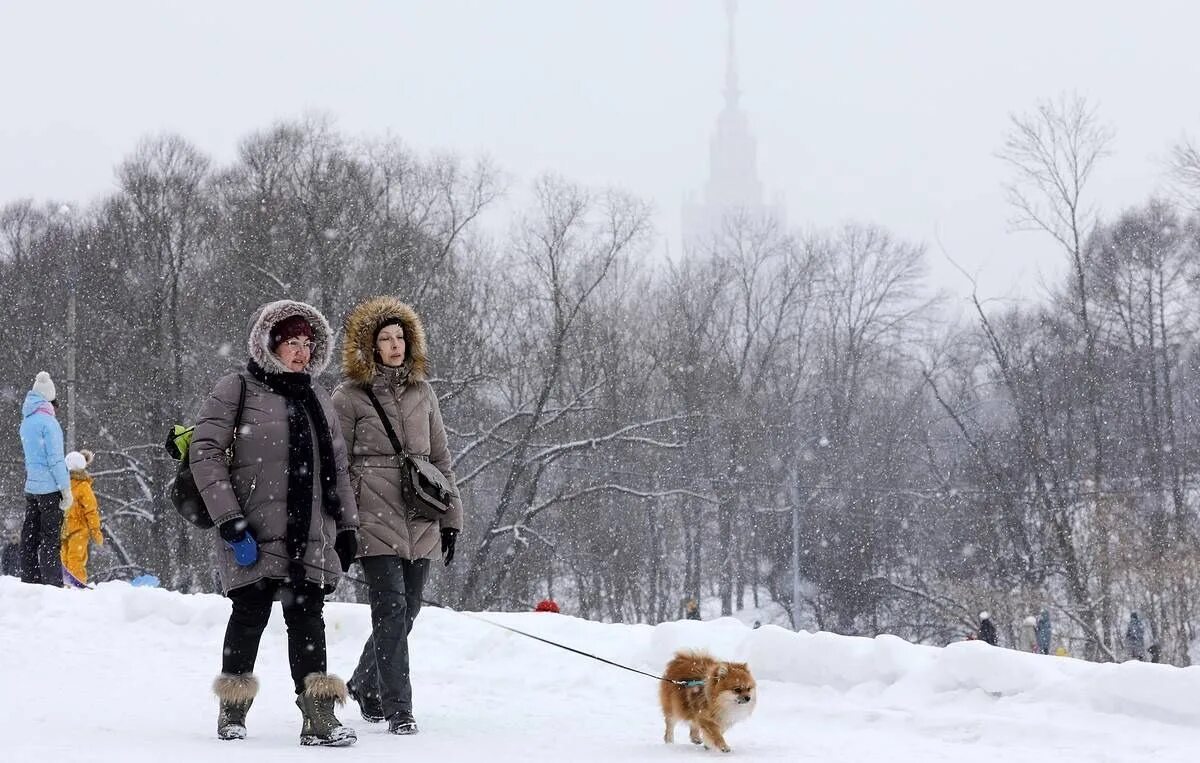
x,y
265,318
358,351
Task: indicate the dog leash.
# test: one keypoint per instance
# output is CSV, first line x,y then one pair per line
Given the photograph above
x,y
439,605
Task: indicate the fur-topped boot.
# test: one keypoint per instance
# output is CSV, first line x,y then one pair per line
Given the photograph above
x,y
236,693
321,726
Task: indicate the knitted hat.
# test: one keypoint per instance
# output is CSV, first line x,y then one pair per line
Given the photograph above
x,y
290,328
44,386
76,461
394,320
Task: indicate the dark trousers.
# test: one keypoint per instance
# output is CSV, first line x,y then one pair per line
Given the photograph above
x,y
302,613
395,594
41,540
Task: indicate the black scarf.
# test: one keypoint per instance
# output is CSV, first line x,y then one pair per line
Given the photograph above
x,y
303,405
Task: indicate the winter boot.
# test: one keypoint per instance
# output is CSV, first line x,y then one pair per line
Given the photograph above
x,y
321,727
402,723
369,707
236,693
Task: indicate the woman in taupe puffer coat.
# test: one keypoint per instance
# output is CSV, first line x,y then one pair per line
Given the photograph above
x,y
279,493
384,353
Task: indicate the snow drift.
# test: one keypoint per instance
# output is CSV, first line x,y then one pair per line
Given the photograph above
x,y
122,673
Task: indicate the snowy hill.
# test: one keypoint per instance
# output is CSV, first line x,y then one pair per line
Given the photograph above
x,y
123,674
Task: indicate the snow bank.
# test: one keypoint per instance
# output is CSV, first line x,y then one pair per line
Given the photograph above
x,y
146,657
907,673
885,664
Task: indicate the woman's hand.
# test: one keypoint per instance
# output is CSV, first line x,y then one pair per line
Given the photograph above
x,y
449,535
236,534
346,546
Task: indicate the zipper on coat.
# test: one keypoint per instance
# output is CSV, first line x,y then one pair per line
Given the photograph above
x,y
250,495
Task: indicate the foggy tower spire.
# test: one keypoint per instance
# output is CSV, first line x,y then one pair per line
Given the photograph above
x,y
733,185
731,78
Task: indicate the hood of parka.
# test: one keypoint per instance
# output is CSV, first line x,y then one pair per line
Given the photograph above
x,y
265,318
358,350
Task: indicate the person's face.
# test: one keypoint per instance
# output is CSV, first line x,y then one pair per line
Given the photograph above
x,y
390,345
295,353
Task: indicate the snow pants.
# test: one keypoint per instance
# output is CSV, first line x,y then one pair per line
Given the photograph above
x,y
395,588
41,539
75,556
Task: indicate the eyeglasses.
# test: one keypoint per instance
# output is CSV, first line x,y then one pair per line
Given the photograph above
x,y
297,345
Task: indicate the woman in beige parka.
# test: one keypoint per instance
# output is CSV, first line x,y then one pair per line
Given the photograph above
x,y
384,352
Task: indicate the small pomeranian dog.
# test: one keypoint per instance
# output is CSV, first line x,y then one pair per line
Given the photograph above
x,y
707,694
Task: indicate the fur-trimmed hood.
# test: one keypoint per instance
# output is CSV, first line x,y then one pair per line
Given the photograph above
x,y
268,315
358,351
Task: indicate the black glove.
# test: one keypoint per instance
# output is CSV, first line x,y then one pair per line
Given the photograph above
x,y
346,545
232,530
448,536
297,571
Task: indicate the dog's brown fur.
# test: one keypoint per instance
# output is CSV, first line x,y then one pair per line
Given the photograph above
x,y
727,696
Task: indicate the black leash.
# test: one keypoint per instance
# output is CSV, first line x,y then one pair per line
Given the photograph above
x,y
439,605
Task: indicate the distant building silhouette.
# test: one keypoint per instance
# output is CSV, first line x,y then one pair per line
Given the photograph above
x,y
733,187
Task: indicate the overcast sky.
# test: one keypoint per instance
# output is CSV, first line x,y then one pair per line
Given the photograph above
x,y
887,112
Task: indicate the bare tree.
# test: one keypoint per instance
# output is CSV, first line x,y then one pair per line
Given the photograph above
x,y
564,251
1053,153
1140,269
157,224
869,305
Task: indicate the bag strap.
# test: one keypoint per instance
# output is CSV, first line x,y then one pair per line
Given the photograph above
x,y
237,419
387,425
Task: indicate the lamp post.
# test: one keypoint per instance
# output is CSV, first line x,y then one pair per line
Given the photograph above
x,y
821,441
796,560
66,214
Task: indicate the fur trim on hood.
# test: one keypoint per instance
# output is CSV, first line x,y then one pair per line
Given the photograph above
x,y
268,315
358,351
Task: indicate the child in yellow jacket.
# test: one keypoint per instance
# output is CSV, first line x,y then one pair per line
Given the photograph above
x,y
81,522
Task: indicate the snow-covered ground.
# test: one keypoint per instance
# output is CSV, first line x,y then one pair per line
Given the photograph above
x,y
123,674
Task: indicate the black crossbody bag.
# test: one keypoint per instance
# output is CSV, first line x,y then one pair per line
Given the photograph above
x,y
424,489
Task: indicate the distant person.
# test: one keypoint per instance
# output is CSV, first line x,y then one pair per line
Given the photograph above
x,y
691,610
10,557
1155,652
47,486
987,629
1043,632
1135,638
546,605
82,522
1029,634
